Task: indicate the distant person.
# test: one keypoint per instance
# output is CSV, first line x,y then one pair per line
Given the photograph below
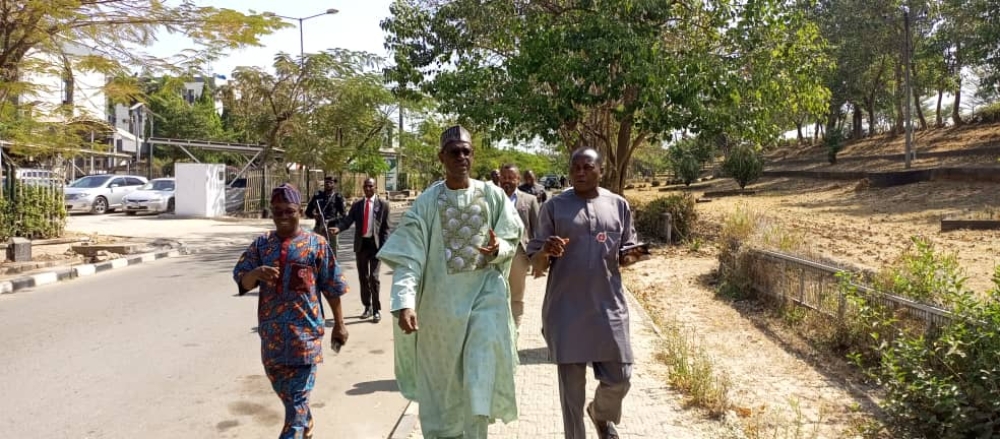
x,y
450,255
585,318
532,187
495,177
562,181
327,208
370,216
292,267
527,208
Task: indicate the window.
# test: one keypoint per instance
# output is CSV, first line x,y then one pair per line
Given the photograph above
x,y
118,181
67,85
132,181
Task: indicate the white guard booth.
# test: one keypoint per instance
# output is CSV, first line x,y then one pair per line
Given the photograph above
x,y
200,190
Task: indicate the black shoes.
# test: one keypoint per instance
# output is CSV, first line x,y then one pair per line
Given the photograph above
x,y
367,313
377,317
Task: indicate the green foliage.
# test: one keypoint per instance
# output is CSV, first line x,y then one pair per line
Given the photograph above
x,y
370,162
613,75
923,274
687,157
35,213
988,113
834,141
649,217
942,384
71,38
745,164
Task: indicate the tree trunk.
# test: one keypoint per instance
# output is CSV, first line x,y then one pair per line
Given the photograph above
x,y
898,124
870,104
857,119
920,111
956,114
940,120
798,129
816,133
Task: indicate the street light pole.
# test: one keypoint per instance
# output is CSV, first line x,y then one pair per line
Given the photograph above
x,y
302,61
909,88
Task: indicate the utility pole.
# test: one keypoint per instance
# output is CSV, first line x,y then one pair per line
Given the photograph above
x,y
910,155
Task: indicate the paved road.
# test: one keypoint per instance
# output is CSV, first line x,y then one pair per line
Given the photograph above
x,y
167,350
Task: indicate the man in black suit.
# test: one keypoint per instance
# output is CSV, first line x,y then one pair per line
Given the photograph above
x,y
370,216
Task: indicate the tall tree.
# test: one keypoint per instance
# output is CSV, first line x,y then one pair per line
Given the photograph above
x,y
612,74
320,109
63,38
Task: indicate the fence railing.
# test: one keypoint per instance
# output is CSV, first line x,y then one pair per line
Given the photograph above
x,y
816,286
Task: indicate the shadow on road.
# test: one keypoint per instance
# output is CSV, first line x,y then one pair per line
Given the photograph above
x,y
369,387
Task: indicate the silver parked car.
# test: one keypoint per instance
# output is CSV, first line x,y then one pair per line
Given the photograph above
x,y
155,197
99,194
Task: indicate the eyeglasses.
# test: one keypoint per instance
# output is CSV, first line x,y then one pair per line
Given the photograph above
x,y
284,213
459,151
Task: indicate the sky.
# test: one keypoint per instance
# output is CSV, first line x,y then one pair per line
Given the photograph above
x,y
355,27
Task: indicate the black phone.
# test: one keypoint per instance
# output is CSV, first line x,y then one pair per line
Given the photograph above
x,y
337,345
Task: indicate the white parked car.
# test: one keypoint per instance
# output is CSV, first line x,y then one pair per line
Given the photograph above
x,y
99,194
155,197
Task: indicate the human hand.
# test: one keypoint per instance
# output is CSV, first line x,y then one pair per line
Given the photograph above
x,y
492,246
408,321
265,274
555,246
339,336
334,230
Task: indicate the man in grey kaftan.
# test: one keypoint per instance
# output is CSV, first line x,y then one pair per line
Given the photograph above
x,y
585,314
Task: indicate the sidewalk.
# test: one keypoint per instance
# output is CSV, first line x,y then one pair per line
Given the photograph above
x,y
651,410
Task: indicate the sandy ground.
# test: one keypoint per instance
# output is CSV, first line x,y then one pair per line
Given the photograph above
x,y
776,375
780,387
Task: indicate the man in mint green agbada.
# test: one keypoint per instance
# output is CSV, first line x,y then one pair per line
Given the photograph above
x,y
454,342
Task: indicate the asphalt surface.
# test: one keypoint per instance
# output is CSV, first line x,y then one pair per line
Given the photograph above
x,y
167,350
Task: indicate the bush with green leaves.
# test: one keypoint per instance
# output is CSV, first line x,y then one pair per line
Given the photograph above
x,y
745,164
940,382
834,141
648,218
32,212
923,274
687,157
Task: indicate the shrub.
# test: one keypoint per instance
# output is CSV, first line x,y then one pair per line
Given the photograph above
x,y
34,212
687,157
834,141
649,217
924,275
745,164
945,385
988,113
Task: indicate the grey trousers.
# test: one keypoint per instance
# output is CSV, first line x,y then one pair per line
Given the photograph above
x,y
614,384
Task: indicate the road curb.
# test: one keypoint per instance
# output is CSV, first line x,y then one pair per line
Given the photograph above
x,y
82,270
406,424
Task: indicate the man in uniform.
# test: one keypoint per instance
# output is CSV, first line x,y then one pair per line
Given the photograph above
x,y
454,342
527,208
292,267
532,187
327,208
585,319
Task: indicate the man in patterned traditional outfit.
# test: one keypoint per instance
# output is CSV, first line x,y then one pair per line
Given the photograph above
x,y
581,234
450,256
292,267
